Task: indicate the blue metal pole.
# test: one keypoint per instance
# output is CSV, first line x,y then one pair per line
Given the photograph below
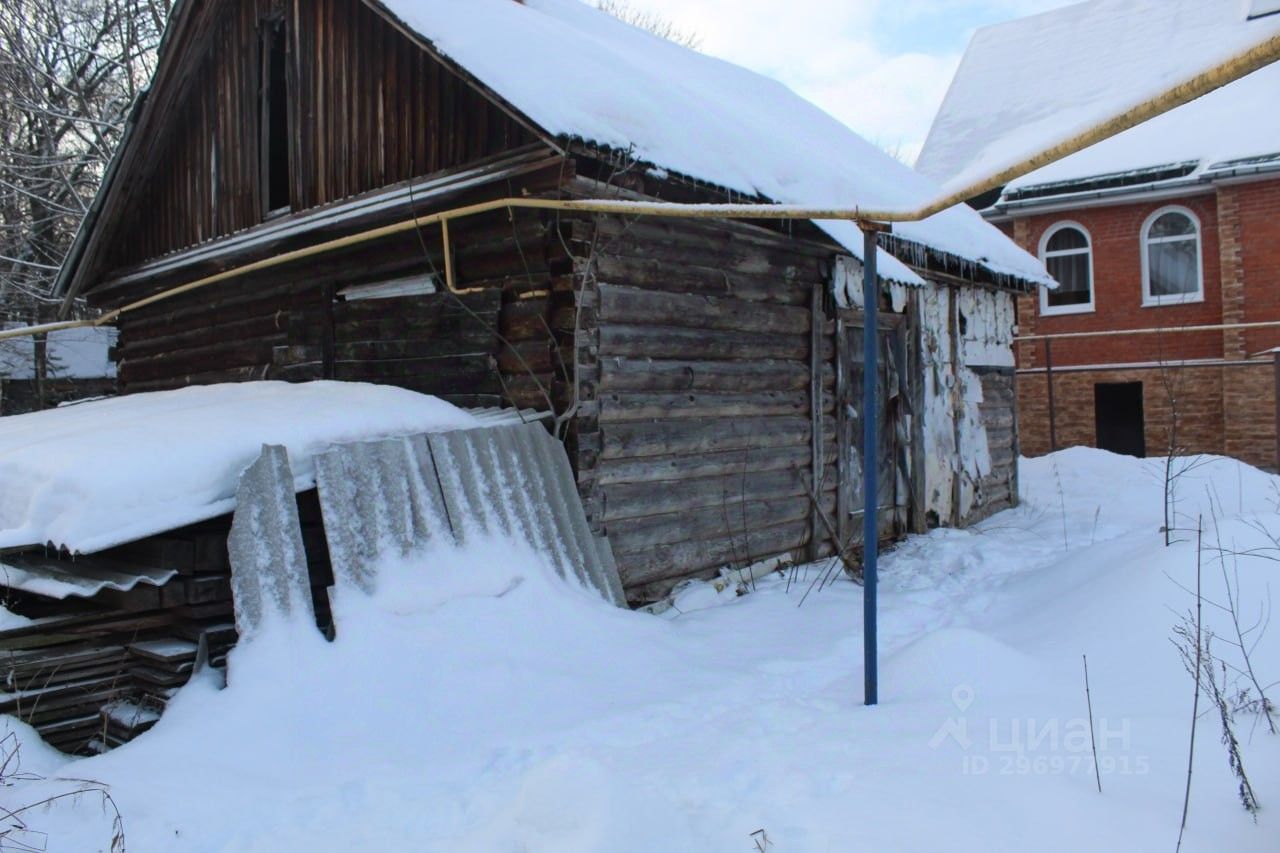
x,y
870,459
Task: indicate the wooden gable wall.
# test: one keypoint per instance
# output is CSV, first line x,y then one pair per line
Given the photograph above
x,y
369,108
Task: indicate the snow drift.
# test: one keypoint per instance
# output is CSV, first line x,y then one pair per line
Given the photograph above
x,y
478,702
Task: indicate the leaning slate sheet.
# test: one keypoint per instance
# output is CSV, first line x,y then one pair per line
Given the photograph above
x,y
269,578
377,498
392,496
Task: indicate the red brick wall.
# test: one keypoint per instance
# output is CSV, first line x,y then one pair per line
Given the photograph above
x,y
1223,408
1259,206
1116,236
1194,392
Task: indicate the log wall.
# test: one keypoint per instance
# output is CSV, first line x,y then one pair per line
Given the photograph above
x,y
694,438
488,347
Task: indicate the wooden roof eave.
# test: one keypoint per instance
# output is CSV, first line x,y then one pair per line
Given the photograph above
x,y
85,251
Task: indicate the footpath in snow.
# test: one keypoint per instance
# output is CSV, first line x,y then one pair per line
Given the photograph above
x,y
477,702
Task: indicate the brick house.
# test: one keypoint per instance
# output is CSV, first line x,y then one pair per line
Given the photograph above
x,y
1160,236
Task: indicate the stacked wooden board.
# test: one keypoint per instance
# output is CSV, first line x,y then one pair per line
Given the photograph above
x,y
90,673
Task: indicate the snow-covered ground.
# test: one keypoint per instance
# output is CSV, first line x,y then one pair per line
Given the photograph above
x,y
479,703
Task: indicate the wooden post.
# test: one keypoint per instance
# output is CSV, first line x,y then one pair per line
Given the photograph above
x,y
1048,378
328,343
40,349
844,437
816,322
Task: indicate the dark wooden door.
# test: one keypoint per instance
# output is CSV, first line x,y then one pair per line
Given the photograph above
x,y
893,457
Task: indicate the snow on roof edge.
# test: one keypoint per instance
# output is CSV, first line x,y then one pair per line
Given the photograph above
x,y
679,114
1067,60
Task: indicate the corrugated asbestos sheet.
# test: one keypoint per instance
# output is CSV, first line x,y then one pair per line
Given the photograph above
x,y
83,578
268,560
396,495
493,416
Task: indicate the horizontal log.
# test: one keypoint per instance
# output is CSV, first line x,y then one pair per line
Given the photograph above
x,y
665,469
155,339
629,406
644,307
1000,436
998,418
691,232
646,374
205,377
426,305
237,300
706,436
223,355
640,500
630,535
688,559
997,393
442,346
458,366
674,243
1002,458
688,278
665,342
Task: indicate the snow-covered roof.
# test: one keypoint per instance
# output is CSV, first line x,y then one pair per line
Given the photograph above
x,y
1027,84
579,73
71,354
99,474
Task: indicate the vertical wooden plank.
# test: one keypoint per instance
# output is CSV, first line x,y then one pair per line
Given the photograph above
x,y
816,322
328,333
293,83
915,376
844,439
957,402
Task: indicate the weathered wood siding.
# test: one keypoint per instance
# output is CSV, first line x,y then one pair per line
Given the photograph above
x,y
368,108
293,323
693,441
997,489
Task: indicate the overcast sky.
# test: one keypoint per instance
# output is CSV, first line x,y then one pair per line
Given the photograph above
x,y
881,66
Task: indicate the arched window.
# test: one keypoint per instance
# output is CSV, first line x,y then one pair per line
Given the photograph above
x,y
1068,255
1171,268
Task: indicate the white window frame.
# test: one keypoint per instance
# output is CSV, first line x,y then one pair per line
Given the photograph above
x,y
1047,310
1197,295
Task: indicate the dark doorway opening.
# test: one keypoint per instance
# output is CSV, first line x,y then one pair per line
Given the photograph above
x,y
274,111
1120,423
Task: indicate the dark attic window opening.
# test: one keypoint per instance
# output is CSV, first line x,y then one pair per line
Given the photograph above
x,y
273,97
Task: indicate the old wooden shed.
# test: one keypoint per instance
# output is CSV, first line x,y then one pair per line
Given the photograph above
x,y
704,374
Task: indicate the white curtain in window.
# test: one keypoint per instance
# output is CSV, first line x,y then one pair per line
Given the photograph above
x,y
1173,256
1066,257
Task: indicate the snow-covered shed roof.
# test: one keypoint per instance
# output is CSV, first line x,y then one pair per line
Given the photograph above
x,y
1030,83
98,474
579,73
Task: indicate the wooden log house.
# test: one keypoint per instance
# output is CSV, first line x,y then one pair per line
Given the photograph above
x,y
704,373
